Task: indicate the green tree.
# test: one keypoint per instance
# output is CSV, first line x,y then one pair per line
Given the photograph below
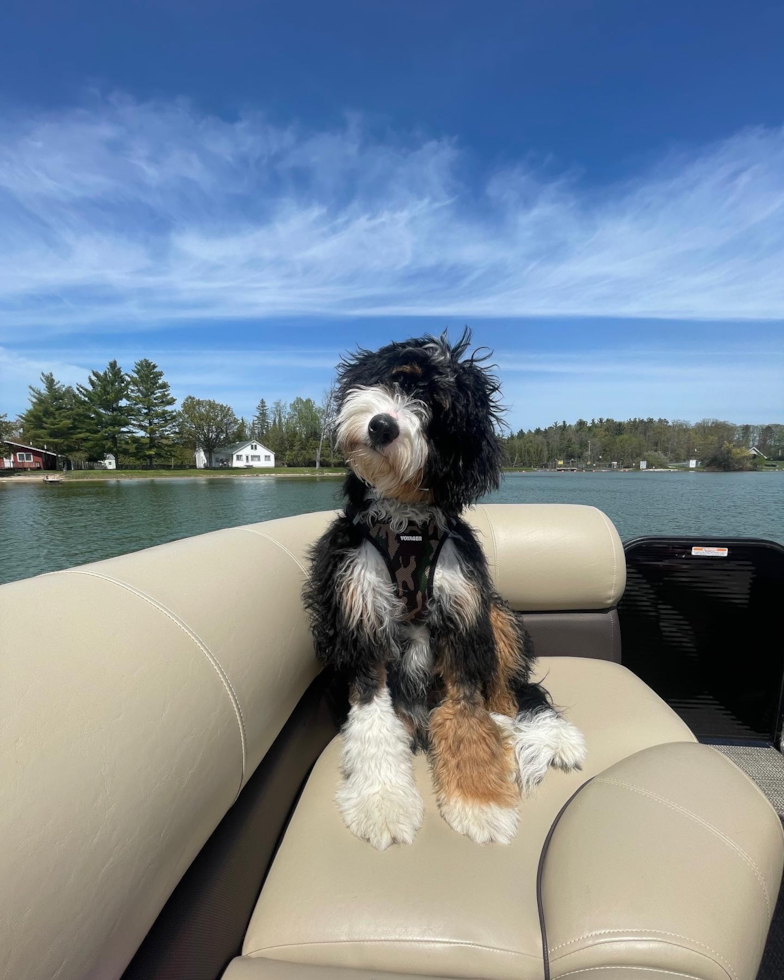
x,y
727,457
52,421
207,424
105,414
7,431
656,460
261,420
150,410
242,432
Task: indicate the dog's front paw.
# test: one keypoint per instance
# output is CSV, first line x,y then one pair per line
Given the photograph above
x,y
484,823
383,816
571,747
542,739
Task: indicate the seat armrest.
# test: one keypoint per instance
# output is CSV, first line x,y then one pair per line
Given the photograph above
x,y
670,860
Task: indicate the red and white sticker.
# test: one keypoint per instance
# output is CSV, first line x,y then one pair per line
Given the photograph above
x,y
702,552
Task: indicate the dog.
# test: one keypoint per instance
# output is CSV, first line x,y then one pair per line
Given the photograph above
x,y
401,601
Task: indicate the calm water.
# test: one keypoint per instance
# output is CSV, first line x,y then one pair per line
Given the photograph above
x,y
47,528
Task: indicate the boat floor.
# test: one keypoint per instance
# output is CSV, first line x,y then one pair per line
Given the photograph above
x,y
766,767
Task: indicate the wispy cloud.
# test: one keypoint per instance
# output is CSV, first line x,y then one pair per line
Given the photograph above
x,y
142,214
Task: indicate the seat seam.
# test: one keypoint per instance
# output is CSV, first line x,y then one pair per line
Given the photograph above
x,y
646,969
612,633
261,534
412,942
496,556
723,964
699,820
615,557
193,636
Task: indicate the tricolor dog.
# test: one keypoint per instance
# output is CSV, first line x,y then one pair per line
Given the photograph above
x,y
401,600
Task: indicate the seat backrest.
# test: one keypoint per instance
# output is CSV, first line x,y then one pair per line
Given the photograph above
x,y
139,694
563,566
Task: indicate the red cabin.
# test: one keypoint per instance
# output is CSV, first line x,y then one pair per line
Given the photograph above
x,y
28,458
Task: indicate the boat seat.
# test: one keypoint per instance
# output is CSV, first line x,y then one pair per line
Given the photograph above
x,y
447,907
159,715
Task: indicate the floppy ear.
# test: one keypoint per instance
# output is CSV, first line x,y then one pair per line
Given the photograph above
x,y
467,464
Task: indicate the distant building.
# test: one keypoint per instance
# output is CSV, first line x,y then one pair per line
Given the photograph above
x,y
26,457
238,455
107,463
755,452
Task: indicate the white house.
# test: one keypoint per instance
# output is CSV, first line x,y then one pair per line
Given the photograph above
x,y
239,455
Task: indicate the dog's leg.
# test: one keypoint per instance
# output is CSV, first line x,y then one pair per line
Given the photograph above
x,y
378,798
473,770
539,735
473,766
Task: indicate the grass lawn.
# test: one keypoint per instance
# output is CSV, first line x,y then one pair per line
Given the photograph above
x,y
169,474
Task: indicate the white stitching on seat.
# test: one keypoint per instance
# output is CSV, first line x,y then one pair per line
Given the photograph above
x,y
213,660
261,534
697,819
612,548
646,969
652,932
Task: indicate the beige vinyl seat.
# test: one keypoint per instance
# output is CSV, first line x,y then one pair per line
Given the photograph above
x,y
164,711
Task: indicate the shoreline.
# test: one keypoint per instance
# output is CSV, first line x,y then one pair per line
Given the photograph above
x,y
98,476
103,477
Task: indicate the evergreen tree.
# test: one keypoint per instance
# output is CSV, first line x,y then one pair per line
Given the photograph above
x,y
105,414
150,409
242,432
261,420
207,424
52,421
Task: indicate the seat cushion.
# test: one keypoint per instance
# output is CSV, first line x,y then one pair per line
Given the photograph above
x,y
443,906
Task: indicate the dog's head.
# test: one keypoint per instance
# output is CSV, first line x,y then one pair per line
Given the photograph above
x,y
418,421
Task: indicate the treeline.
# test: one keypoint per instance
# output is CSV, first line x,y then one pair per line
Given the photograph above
x,y
134,416
661,442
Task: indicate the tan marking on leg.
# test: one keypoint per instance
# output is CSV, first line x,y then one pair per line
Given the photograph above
x,y
470,759
509,660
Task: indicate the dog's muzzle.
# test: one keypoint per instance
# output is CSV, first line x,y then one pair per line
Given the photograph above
x,y
382,429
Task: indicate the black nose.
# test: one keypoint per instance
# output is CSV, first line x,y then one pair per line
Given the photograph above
x,y
382,430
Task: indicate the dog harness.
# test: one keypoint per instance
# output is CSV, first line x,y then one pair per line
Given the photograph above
x,y
410,557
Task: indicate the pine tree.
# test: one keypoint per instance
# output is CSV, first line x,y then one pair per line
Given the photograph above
x,y
52,420
242,432
105,417
150,409
261,420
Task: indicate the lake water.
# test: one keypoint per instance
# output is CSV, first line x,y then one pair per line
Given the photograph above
x,y
47,528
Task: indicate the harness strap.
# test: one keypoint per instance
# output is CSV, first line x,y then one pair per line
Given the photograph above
x,y
410,556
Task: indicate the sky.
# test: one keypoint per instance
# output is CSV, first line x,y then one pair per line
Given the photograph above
x,y
242,191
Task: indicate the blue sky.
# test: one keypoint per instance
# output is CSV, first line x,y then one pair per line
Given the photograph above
x,y
243,190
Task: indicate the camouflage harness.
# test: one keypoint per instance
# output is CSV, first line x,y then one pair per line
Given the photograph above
x,y
410,557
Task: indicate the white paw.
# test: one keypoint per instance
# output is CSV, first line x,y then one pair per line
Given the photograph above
x,y
541,740
388,815
571,750
484,823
